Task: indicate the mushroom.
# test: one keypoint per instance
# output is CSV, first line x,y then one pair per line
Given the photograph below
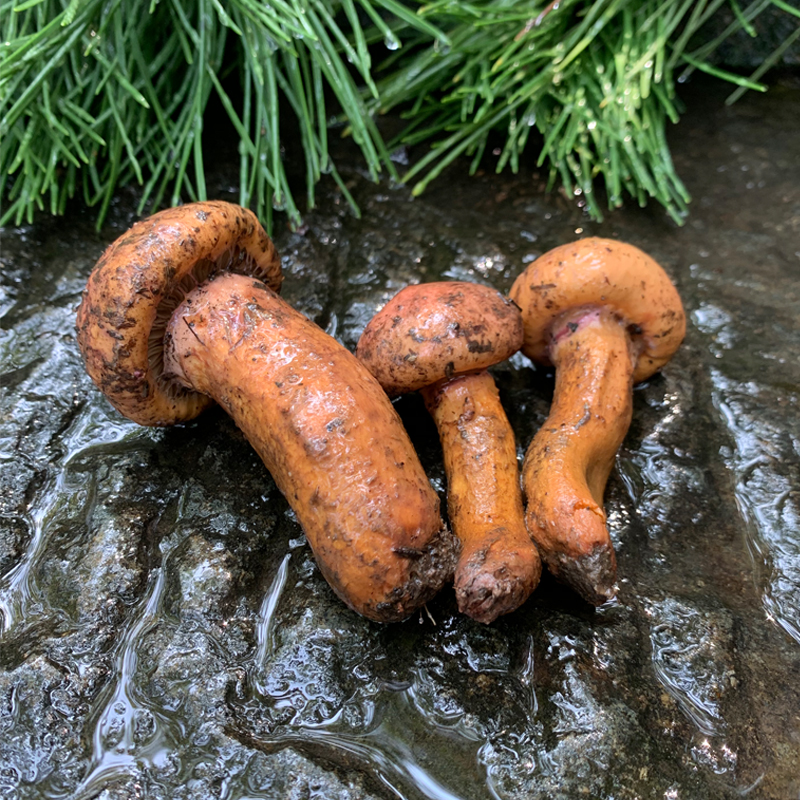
x,y
181,311
440,338
606,316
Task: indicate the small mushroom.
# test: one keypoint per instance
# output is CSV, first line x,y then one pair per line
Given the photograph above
x,y
605,315
440,338
179,312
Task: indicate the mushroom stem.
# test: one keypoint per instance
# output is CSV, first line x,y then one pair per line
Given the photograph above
x,y
429,335
499,566
569,460
328,435
606,315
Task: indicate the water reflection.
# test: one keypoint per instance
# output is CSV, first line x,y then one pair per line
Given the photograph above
x,y
266,620
766,490
689,659
387,754
128,732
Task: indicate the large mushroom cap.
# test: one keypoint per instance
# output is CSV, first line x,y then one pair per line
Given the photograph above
x,y
431,331
137,283
616,275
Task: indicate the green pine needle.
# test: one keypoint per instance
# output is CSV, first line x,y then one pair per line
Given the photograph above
x,y
95,94
595,78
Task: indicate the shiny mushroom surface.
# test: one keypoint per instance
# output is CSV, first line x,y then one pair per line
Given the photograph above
x,y
440,338
181,312
606,316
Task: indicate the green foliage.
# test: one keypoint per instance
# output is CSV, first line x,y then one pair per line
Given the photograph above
x,y
597,79
95,94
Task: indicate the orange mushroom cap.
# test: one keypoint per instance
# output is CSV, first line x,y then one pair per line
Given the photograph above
x,y
431,331
615,275
137,283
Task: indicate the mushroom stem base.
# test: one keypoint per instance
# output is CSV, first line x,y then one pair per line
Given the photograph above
x,y
499,565
569,460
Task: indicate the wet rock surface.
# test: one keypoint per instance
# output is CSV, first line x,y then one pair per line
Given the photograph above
x,y
166,633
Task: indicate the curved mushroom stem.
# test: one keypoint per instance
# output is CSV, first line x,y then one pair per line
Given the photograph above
x,y
499,565
328,435
569,460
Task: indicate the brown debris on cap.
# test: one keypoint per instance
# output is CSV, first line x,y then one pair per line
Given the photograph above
x,y
137,283
432,331
602,272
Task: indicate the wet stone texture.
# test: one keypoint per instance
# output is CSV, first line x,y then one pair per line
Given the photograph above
x,y
166,634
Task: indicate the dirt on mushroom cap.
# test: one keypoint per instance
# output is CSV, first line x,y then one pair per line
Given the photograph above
x,y
431,331
616,275
135,274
